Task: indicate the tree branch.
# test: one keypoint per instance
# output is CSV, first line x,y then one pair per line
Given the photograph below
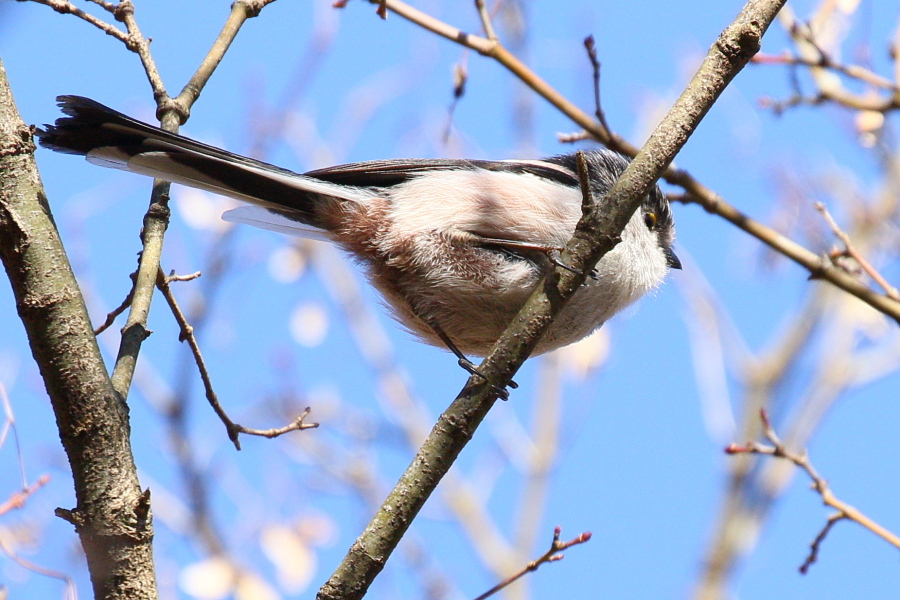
x,y
112,515
171,113
595,235
697,192
845,511
553,554
187,334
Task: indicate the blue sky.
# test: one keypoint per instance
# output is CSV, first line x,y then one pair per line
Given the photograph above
x,y
638,463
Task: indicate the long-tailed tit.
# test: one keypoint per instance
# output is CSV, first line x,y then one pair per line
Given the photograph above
x,y
454,246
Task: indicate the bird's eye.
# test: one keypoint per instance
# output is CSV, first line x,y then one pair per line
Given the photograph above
x,y
650,220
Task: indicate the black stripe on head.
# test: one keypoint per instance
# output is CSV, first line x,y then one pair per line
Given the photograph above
x,y
606,167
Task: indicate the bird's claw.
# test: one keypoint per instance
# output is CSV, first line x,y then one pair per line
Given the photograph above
x,y
473,370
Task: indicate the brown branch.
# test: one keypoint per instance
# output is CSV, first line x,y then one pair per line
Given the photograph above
x,y
817,542
851,251
591,49
65,7
111,316
596,233
778,450
696,191
553,554
111,515
172,113
17,499
825,62
187,335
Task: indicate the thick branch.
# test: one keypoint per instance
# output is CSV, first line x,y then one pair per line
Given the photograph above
x,y
112,516
596,234
697,192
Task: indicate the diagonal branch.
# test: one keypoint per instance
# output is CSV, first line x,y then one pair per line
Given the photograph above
x,y
553,554
187,334
112,515
596,234
697,193
851,251
172,113
65,7
777,449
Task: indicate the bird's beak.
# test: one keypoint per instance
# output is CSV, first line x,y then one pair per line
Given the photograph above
x,y
672,261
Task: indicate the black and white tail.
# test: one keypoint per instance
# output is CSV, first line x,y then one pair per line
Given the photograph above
x,y
111,139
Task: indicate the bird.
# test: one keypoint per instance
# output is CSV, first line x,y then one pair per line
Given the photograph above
x,y
454,246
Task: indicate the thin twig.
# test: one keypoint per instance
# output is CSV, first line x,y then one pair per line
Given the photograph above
x,y
817,542
485,20
111,316
189,277
295,425
140,45
851,251
595,67
171,113
553,554
852,71
17,499
571,138
187,335
778,450
67,8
